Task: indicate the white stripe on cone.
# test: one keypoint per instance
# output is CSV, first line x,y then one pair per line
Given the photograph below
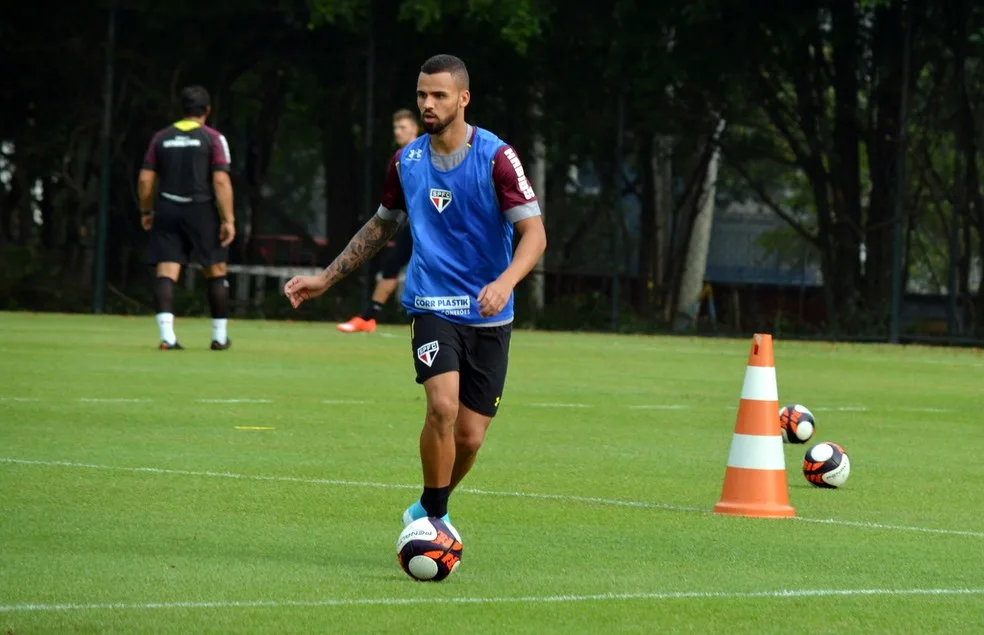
x,y
760,384
756,452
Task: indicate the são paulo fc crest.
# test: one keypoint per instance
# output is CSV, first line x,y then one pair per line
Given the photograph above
x,y
427,352
440,198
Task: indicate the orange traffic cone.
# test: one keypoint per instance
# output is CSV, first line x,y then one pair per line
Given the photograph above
x,y
755,481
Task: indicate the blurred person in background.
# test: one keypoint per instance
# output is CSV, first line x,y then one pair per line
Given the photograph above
x,y
188,164
398,250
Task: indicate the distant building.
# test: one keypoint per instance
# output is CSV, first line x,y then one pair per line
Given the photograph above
x,y
744,249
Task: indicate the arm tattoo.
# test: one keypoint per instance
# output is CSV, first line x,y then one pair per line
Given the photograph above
x,y
363,246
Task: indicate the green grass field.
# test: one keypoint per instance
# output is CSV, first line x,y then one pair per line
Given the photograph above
x,y
137,495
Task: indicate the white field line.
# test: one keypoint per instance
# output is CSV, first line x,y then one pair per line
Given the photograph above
x,y
230,475
558,405
668,406
867,525
545,599
650,406
481,492
739,352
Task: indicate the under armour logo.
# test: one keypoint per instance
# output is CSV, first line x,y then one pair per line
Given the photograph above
x,y
415,155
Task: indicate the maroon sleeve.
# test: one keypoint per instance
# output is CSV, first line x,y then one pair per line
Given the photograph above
x,y
392,187
512,187
221,159
150,157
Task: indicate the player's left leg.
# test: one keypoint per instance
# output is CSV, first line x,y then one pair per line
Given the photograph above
x,y
437,349
167,274
203,228
469,434
483,378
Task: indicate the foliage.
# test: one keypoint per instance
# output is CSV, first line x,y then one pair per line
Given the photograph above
x,y
813,94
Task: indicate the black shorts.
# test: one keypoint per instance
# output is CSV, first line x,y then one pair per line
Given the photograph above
x,y
181,229
479,354
397,254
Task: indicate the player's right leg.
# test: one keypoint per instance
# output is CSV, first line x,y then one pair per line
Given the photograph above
x,y
167,276
437,350
167,252
218,302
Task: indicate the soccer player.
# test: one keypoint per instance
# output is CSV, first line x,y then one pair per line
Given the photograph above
x,y
465,192
398,250
189,164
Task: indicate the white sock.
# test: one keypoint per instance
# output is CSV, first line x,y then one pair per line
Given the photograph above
x,y
165,322
219,329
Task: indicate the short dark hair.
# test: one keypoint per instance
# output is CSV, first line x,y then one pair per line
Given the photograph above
x,y
194,101
447,64
403,113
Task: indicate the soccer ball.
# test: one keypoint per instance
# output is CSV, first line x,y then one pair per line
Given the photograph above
x,y
429,549
796,423
826,465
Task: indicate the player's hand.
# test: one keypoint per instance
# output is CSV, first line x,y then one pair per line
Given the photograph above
x,y
227,233
493,298
301,288
147,220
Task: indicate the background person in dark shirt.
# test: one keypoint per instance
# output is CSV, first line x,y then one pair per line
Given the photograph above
x,y
189,164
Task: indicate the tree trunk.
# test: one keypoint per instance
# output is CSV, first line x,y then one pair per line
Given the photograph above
x,y
681,220
663,183
964,263
845,163
971,189
967,210
657,207
261,135
979,305
25,213
884,146
695,264
8,207
342,209
647,225
48,214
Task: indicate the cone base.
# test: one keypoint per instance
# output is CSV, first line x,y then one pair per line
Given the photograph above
x,y
756,493
754,510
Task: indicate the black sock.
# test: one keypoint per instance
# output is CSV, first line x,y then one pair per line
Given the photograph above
x,y
163,295
218,297
435,500
372,311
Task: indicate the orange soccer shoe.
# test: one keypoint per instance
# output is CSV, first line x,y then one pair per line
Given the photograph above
x,y
356,325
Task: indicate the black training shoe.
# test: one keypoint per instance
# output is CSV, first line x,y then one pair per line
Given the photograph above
x,y
171,347
221,347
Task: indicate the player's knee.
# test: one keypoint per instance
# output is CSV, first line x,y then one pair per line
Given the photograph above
x,y
170,270
217,270
441,412
468,441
